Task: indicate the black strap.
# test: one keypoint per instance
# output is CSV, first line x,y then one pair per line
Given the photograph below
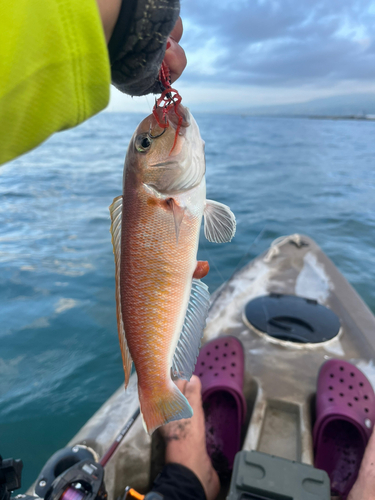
x,y
177,482
121,29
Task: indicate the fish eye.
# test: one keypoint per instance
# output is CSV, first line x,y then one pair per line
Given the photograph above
x,y
142,143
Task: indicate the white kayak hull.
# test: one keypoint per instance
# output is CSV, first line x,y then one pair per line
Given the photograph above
x,y
280,377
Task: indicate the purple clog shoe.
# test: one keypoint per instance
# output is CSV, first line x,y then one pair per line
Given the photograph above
x,y
345,411
220,367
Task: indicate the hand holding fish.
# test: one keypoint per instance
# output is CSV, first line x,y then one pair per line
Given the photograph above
x,y
140,34
161,303
175,57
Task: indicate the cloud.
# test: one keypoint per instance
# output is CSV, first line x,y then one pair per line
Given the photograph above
x,y
278,42
259,52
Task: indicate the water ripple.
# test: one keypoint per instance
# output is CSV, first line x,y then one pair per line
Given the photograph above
x,y
59,354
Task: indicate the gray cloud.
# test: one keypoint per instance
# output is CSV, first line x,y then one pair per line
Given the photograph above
x,y
283,42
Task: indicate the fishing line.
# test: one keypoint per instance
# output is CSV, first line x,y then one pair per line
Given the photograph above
x,y
212,261
245,257
148,104
237,268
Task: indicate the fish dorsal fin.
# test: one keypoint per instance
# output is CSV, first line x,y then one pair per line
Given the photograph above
x,y
187,349
116,217
219,222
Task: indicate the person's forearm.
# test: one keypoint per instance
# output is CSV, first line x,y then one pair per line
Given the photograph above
x,y
54,70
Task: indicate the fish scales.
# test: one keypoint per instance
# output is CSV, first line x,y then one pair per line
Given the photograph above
x,y
153,285
161,305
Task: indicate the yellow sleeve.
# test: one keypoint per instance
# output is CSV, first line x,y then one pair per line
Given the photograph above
x,y
54,70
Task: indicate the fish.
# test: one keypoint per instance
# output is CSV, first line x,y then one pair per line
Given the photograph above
x,y
161,302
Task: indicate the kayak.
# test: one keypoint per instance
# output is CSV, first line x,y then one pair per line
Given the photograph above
x,y
292,310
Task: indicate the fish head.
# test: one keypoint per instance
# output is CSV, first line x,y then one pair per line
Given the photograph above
x,y
168,158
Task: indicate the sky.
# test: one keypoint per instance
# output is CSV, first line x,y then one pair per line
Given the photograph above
x,y
245,53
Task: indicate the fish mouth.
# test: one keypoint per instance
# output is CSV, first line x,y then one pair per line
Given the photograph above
x,y
179,115
176,116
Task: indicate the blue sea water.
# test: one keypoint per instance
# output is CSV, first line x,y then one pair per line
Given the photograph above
x,y
59,353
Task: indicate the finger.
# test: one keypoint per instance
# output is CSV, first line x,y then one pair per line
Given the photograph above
x,y
175,59
181,384
196,383
177,31
193,390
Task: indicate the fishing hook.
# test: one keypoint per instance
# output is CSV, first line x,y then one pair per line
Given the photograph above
x,y
156,136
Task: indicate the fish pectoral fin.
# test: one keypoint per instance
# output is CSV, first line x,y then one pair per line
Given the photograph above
x,y
219,222
178,215
201,270
116,218
188,345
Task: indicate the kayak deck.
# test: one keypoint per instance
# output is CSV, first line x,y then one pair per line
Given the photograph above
x,y
280,376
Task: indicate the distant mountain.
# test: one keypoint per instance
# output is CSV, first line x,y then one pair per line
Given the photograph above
x,y
341,105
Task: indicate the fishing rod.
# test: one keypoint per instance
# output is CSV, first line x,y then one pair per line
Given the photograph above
x,y
103,461
85,480
81,477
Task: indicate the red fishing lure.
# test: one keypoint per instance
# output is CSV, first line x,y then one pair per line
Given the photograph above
x,y
169,97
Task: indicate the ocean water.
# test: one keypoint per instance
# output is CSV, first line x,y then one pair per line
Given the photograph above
x,y
59,353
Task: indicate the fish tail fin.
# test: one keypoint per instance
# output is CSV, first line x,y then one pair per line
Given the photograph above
x,y
159,408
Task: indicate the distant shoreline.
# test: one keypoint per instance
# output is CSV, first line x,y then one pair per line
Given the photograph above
x,y
348,117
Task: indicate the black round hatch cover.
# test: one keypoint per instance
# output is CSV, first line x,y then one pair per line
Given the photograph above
x,y
292,318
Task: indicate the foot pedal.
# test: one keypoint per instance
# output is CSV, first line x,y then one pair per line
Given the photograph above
x,y
258,476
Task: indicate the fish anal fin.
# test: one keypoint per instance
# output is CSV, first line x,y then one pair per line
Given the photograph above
x,y
178,215
116,218
219,222
188,345
201,270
